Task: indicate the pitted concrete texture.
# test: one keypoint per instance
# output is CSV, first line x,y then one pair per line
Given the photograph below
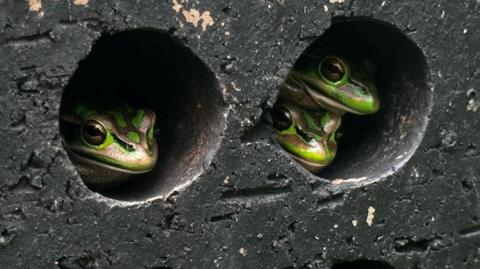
x,y
251,206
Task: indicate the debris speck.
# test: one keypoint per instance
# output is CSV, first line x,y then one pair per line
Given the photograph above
x,y
442,15
472,105
383,3
370,215
465,31
336,1
242,252
335,226
354,223
325,8
80,2
415,172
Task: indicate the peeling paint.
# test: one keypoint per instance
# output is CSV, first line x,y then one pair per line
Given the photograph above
x,y
193,16
80,2
207,20
35,5
176,6
370,215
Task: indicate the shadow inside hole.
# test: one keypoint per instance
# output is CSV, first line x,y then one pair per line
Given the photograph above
x,y
373,146
150,69
362,264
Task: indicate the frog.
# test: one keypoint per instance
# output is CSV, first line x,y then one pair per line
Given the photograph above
x,y
338,81
111,143
308,136
326,83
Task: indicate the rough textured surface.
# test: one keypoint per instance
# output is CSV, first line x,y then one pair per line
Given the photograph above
x,y
252,207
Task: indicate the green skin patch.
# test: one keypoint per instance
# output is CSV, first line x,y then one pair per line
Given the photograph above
x,y
137,120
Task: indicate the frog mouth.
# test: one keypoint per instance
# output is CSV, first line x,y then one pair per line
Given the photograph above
x,y
323,100
80,157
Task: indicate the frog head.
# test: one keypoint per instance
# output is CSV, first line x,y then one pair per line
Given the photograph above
x,y
115,137
338,82
308,136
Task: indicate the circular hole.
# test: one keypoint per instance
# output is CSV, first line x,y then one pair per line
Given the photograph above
x,y
373,146
362,264
151,70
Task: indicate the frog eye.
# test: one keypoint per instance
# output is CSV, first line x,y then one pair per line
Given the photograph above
x,y
93,132
332,69
282,119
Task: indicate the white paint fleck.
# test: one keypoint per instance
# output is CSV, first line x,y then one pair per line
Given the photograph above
x,y
316,237
442,15
383,3
399,157
370,215
259,235
242,252
465,31
225,181
325,8
335,226
227,33
80,2
354,223
336,1
472,105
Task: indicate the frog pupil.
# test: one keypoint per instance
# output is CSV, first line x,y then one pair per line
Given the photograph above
x,y
282,119
332,69
93,133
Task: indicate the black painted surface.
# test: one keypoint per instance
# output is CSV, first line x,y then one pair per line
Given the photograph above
x,y
253,207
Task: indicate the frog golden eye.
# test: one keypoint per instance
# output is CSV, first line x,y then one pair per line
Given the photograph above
x,y
282,119
332,69
93,132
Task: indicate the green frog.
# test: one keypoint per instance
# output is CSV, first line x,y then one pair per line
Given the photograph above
x,y
111,143
323,85
309,136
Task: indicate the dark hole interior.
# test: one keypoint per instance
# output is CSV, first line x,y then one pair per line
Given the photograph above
x,y
362,264
151,69
373,146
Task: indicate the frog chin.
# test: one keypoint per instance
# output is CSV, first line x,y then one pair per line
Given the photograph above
x,y
82,157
